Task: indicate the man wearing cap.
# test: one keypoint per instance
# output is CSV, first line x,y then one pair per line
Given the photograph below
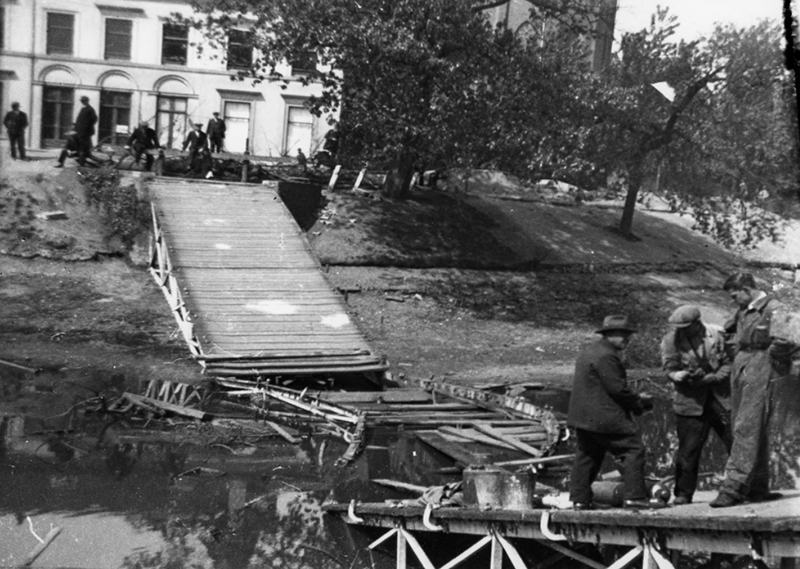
x,y
762,359
694,358
142,139
84,129
16,122
216,132
197,143
601,409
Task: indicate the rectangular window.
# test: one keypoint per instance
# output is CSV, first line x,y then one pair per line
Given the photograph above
x,y
171,121
60,32
2,28
174,44
298,130
115,117
240,49
304,64
57,119
237,126
119,36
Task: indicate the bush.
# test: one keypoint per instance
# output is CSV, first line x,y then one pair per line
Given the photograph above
x,y
123,213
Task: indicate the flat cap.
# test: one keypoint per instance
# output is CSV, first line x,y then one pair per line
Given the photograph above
x,y
615,323
684,315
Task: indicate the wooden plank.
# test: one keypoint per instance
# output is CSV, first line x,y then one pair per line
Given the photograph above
x,y
492,432
472,435
461,455
172,408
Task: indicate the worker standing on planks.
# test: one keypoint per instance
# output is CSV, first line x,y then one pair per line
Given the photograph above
x,y
694,357
601,409
762,359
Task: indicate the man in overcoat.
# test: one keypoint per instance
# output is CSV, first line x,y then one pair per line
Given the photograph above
x,y
762,359
142,139
16,122
197,143
216,133
601,409
84,128
695,359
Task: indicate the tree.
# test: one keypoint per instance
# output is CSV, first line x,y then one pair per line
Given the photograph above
x,y
634,121
421,82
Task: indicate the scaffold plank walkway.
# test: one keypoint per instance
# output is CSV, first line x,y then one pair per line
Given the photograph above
x,y
249,296
766,529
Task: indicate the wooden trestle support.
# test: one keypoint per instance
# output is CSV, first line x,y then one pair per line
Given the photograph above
x,y
655,539
173,392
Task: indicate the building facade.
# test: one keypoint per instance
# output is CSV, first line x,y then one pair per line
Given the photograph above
x,y
134,63
526,20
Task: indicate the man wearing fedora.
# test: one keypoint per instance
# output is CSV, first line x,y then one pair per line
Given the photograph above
x,y
601,409
84,128
197,143
694,358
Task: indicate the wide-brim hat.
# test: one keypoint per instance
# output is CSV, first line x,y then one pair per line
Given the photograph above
x,y
616,323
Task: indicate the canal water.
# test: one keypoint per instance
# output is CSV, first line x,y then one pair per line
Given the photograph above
x,y
148,502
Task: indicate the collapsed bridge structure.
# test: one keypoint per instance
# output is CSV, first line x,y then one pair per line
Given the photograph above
x,y
250,298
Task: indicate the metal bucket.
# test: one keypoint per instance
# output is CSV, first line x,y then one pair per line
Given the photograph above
x,y
493,487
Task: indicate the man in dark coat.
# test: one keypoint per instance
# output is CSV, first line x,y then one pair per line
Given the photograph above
x,y
16,122
601,407
216,133
197,143
695,358
142,139
84,127
762,359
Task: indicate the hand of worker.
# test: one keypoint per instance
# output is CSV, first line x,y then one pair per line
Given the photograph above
x,y
679,376
706,379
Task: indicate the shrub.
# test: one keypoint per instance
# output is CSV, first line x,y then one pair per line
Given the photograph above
x,y
123,213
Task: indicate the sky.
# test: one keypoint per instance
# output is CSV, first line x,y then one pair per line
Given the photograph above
x,y
697,17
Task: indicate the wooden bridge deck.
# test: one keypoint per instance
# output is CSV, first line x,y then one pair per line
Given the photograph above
x,y
772,528
248,293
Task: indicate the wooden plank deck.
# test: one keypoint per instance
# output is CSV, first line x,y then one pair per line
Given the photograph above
x,y
258,302
772,526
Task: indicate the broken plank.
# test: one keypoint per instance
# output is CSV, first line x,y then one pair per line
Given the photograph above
x,y
389,396
171,407
400,485
492,432
282,432
475,436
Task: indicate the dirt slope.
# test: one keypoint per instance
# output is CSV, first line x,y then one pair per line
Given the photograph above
x,y
474,289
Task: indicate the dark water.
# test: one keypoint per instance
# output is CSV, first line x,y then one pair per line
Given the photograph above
x,y
157,504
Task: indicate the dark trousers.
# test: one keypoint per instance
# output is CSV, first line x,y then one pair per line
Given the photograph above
x,y
17,142
692,436
84,149
591,450
215,143
148,158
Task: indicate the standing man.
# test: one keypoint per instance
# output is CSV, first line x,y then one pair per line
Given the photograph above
x,y
694,357
142,139
761,360
216,133
601,409
16,122
197,143
84,127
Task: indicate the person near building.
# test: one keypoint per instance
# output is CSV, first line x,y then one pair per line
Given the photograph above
x,y
142,139
762,359
197,143
216,133
71,147
84,127
695,359
16,122
601,409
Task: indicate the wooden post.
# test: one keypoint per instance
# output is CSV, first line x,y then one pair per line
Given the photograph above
x,y
245,166
496,561
160,162
334,176
401,551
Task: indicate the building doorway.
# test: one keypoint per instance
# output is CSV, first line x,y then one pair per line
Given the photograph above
x,y
171,121
237,126
115,117
57,117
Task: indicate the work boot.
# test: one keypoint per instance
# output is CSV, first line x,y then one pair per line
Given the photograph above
x,y
580,506
725,500
681,500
